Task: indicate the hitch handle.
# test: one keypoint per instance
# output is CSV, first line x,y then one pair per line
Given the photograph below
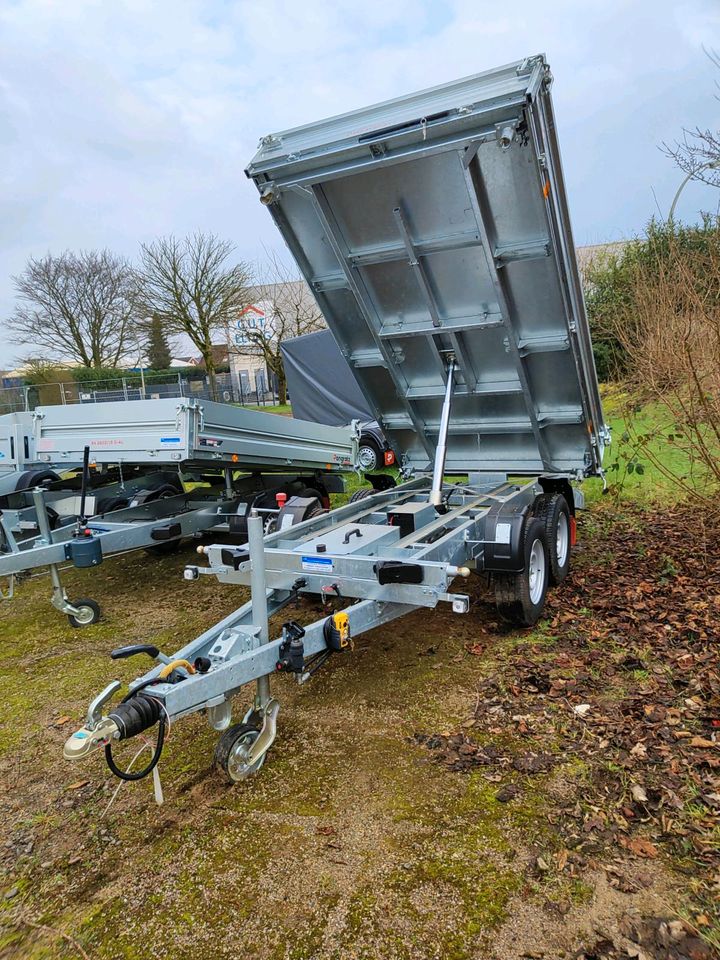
x,y
94,714
121,653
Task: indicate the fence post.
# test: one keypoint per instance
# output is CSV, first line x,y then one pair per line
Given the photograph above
x,y
124,383
26,394
62,393
180,386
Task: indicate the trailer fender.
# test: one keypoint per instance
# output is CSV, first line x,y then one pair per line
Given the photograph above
x,y
36,478
563,486
504,551
297,509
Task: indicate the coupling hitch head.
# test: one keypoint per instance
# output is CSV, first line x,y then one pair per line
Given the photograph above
x,y
131,716
98,730
86,739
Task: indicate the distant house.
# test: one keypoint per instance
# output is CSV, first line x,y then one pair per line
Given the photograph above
x,y
219,355
594,252
247,364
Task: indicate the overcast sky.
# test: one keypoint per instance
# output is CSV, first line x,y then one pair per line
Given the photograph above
x,y
121,120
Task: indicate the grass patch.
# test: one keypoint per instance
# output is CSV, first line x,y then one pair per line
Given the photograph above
x,y
285,409
638,430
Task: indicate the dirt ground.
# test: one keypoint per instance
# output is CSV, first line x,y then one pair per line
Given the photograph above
x,y
450,789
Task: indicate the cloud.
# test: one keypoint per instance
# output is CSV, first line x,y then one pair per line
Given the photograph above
x,y
122,121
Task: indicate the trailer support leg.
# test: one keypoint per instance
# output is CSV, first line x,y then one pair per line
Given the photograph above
x,y
441,449
82,615
264,708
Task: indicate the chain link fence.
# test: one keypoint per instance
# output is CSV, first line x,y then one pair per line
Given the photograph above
x,y
231,388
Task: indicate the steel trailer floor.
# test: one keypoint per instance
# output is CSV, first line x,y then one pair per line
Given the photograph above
x,y
437,223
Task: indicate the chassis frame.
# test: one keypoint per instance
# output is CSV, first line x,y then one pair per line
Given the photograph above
x,y
146,525
239,651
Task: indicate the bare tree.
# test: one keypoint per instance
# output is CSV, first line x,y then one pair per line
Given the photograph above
x,y
698,153
188,285
76,307
289,311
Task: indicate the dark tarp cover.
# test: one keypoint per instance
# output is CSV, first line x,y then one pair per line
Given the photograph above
x,y
320,382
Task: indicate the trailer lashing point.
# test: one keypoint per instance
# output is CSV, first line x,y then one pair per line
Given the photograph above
x,y
471,345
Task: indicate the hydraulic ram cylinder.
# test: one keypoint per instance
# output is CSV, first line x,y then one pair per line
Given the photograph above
x,y
441,449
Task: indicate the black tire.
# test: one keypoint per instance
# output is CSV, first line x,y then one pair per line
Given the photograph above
x,y
90,613
369,456
35,478
310,492
553,511
314,510
163,491
361,494
228,752
518,597
112,503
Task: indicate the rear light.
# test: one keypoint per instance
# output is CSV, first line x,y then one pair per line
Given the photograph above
x,y
389,458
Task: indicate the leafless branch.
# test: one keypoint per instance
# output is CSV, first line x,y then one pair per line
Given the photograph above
x,y
698,148
189,286
76,307
291,311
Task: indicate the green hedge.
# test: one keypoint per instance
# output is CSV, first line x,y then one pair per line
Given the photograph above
x,y
610,282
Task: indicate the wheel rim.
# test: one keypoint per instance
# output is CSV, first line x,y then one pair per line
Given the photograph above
x,y
367,458
84,615
536,572
562,540
270,526
237,762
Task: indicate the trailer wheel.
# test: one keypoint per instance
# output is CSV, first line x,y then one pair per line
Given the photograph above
x,y
520,597
87,612
361,494
108,504
231,752
314,510
553,510
369,456
163,491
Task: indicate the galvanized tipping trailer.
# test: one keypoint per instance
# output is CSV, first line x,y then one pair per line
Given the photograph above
x,y
434,233
203,466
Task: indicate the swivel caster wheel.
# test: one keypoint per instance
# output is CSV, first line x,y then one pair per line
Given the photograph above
x,y
231,753
88,612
